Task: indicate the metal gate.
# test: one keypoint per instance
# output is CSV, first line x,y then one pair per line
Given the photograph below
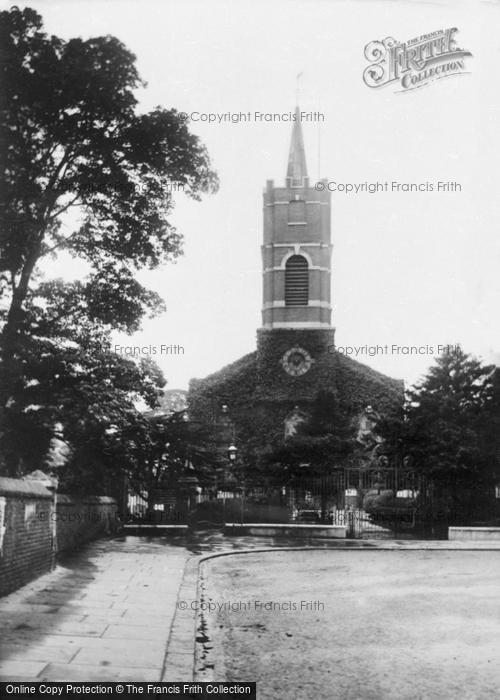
x,y
338,499
162,506
362,525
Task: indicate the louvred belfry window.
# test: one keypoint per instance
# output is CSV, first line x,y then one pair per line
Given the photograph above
x,y
296,281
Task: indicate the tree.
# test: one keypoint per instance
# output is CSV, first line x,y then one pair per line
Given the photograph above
x,y
72,388
321,444
84,173
175,449
490,427
447,429
71,138
321,441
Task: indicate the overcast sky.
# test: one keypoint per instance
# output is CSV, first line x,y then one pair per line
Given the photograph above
x,y
408,269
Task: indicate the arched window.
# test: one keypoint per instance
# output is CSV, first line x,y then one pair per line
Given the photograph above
x,y
296,281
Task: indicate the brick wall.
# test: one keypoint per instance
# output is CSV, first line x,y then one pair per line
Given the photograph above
x,y
29,521
26,549
81,520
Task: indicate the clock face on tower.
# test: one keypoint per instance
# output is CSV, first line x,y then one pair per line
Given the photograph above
x,y
296,361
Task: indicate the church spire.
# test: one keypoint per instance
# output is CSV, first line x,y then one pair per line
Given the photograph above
x,y
296,173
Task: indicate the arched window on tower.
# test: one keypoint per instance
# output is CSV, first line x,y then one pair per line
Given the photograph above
x,y
296,281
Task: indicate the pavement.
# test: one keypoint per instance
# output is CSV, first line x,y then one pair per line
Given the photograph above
x,y
108,613
111,611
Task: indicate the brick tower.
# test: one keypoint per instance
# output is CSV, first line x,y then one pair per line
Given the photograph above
x,y
296,313
295,358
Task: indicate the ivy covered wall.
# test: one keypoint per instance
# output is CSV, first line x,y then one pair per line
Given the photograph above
x,y
259,393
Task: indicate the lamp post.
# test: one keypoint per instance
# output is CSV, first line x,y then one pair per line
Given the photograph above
x,y
232,452
223,424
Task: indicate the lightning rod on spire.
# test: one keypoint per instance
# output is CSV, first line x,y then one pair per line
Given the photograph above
x,y
297,87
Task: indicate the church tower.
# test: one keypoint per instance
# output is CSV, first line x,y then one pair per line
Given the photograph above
x,y
295,359
296,313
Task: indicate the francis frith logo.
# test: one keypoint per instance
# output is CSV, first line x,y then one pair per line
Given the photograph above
x,y
416,62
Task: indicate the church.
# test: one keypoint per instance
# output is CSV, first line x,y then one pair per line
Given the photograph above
x,y
265,394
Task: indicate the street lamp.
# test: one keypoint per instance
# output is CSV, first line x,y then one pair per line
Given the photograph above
x,y
232,453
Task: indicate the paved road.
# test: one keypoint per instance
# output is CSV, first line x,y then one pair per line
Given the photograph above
x,y
110,612
355,625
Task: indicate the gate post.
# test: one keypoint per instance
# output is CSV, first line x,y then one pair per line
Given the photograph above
x,y
350,526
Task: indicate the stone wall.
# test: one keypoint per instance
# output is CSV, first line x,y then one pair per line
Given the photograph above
x,y
35,527
474,534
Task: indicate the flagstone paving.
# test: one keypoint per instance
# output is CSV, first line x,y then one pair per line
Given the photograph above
x,y
105,614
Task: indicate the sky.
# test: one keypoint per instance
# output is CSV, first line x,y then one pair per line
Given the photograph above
x,y
408,268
